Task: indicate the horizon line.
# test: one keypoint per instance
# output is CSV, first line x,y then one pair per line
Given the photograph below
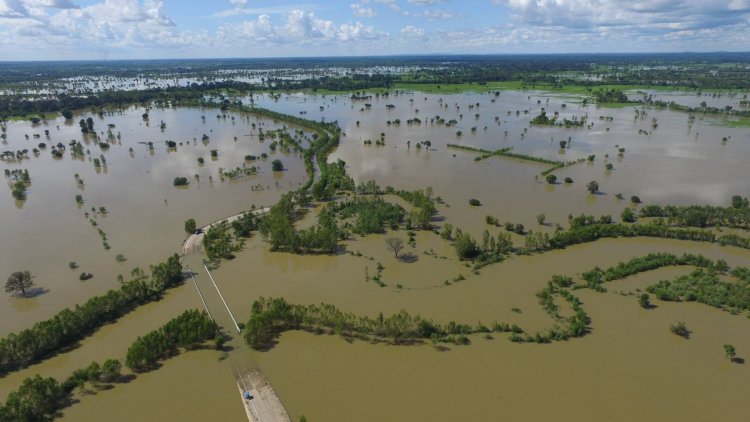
x,y
644,53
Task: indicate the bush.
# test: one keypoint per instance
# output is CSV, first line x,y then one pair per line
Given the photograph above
x,y
644,301
277,165
180,181
592,186
680,329
474,202
568,180
466,247
551,179
628,216
190,226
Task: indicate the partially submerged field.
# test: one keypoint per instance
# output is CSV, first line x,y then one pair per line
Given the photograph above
x,y
627,366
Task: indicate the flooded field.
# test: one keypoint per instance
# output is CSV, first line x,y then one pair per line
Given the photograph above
x,y
629,367
144,212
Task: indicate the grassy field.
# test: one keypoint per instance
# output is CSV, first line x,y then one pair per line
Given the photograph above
x,y
740,122
47,116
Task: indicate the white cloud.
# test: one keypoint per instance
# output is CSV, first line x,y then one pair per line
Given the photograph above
x,y
438,14
240,9
656,15
13,9
54,4
412,32
392,4
361,11
142,28
426,2
300,28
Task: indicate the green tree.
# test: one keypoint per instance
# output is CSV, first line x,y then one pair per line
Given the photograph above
x,y
680,329
540,219
466,247
729,351
277,165
19,190
37,399
190,226
111,370
67,114
592,186
644,301
739,202
551,179
219,341
447,231
628,216
20,282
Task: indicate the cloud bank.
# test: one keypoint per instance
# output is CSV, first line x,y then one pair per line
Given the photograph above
x,y
54,29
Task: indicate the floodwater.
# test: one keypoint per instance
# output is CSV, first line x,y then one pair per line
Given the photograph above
x,y
145,212
630,367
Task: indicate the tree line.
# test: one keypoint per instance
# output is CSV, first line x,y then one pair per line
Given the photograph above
x,y
41,398
18,350
595,277
189,330
270,317
735,216
707,287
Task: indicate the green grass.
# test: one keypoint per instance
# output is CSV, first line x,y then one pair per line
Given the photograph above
x,y
616,105
740,122
431,88
27,117
457,88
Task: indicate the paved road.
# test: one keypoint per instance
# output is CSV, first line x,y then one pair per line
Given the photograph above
x,y
194,242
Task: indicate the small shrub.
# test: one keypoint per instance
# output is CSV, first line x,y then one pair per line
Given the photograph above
x,y
680,328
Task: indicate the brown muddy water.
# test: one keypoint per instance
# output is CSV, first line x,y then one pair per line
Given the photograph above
x,y
629,368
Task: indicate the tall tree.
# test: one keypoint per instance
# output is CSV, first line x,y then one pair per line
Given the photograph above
x,y
394,245
20,282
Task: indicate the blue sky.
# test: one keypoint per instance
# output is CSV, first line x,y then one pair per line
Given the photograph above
x,y
123,29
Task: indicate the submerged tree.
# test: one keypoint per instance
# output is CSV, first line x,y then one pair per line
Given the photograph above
x,y
729,351
190,226
680,329
20,282
644,301
394,245
593,186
